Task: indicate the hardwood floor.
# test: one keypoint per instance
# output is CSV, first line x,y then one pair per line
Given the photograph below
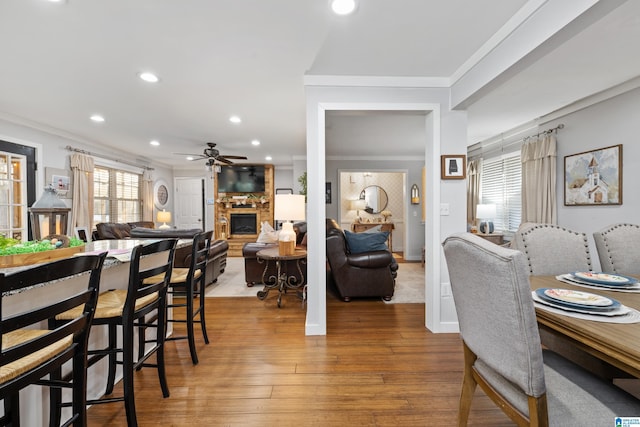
x,y
377,366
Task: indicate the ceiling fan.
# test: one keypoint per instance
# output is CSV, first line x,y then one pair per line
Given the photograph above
x,y
212,155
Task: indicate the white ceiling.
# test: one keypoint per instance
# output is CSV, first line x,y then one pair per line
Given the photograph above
x,y
60,63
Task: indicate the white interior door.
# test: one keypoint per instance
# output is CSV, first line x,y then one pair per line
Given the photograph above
x,y
189,203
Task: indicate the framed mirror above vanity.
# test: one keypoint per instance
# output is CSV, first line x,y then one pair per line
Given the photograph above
x,y
375,198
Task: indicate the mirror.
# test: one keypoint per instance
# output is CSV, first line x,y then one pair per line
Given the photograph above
x,y
375,198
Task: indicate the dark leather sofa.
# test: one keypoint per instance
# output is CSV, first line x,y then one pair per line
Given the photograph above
x,y
182,258
253,270
368,274
117,230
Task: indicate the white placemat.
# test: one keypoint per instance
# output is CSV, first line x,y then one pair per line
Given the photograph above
x,y
566,278
632,315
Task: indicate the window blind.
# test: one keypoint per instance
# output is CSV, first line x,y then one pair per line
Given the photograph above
x,y
501,184
116,195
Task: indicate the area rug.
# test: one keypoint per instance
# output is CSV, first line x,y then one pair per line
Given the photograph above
x,y
409,283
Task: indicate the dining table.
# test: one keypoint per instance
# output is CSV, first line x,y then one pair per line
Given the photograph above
x,y
617,344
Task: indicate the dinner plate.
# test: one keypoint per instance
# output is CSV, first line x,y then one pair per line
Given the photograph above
x,y
577,299
620,311
570,278
604,278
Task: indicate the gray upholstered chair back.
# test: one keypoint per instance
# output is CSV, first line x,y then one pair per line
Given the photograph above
x,y
497,319
551,249
619,248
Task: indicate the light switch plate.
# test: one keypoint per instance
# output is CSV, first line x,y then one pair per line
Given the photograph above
x,y
444,209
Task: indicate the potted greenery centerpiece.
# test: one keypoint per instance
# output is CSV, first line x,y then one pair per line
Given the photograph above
x,y
14,253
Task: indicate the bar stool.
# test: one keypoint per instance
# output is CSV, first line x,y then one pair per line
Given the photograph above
x,y
29,352
127,308
184,282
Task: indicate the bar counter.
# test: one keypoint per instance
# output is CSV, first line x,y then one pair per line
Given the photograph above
x,y
34,410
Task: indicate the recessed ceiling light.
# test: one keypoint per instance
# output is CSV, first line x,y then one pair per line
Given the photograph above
x,y
255,142
235,119
268,158
97,118
149,77
57,1
154,143
343,7
189,157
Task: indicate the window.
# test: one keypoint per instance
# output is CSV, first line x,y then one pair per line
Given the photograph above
x,y
501,184
116,195
13,212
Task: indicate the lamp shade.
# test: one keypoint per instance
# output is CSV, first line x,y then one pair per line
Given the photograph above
x,y
358,204
486,211
164,217
289,207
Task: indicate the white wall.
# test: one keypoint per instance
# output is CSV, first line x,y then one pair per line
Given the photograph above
x,y
611,122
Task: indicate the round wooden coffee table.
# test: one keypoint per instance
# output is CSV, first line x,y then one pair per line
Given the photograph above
x,y
281,281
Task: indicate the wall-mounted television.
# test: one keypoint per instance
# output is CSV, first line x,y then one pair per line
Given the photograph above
x,y
241,179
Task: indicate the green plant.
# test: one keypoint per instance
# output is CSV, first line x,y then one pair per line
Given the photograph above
x,y
302,179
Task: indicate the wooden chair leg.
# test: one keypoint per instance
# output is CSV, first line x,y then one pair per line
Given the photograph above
x,y
190,332
112,359
203,324
79,388
12,409
127,376
55,399
160,340
468,387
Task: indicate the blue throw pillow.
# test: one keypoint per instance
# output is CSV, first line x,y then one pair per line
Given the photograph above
x,y
366,242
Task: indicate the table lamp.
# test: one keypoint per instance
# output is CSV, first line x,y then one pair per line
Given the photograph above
x,y
288,207
357,205
164,217
485,213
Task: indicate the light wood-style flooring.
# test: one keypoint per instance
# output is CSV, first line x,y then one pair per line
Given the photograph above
x,y
377,366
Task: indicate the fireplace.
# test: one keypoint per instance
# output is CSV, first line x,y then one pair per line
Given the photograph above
x,y
244,223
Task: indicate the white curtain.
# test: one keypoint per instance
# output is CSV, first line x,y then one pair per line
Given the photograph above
x,y
82,168
539,180
147,196
473,189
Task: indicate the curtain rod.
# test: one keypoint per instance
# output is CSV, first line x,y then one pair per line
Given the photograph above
x,y
502,143
106,157
545,132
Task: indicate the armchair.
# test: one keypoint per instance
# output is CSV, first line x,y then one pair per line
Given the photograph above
x,y
367,274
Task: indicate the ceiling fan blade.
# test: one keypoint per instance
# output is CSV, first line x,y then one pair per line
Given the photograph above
x,y
234,157
190,154
223,160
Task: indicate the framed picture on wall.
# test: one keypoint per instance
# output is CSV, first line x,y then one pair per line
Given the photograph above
x,y
453,166
327,193
593,178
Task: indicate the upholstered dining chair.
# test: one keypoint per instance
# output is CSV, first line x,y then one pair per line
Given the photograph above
x,y
551,249
31,351
182,288
502,349
127,309
618,248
